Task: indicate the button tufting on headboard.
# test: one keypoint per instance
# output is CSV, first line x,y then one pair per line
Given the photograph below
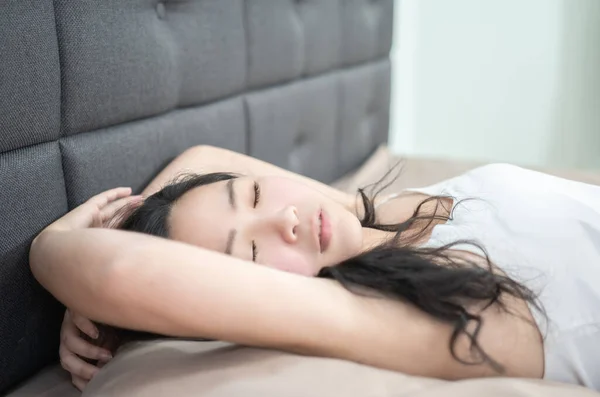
x,y
297,159
160,10
300,139
366,29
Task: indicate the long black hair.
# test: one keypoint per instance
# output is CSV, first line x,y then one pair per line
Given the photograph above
x,y
432,279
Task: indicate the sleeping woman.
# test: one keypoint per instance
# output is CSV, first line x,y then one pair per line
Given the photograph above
x,y
492,273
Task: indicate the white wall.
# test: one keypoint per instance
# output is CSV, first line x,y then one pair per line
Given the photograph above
x,y
498,80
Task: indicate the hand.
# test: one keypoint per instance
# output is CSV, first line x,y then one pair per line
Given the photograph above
x,y
97,211
74,349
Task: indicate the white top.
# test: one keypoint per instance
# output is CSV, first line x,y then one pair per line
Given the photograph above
x,y
543,232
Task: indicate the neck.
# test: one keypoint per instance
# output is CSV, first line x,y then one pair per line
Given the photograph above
x,y
401,208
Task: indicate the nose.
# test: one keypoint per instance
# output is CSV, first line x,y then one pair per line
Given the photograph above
x,y
286,223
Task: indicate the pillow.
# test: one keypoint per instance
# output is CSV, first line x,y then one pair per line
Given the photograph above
x,y
215,369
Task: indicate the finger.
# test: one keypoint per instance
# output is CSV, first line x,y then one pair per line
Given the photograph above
x,y
76,366
110,195
67,318
111,209
68,330
85,325
85,349
79,382
68,327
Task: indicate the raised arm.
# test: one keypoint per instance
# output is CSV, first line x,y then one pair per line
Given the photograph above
x,y
146,283
207,159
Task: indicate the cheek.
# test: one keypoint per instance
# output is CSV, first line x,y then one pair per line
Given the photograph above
x,y
288,260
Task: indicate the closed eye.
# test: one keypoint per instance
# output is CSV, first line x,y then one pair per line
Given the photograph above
x,y
256,194
254,251
256,201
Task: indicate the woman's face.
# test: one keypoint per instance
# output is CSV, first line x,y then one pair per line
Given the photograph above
x,y
274,221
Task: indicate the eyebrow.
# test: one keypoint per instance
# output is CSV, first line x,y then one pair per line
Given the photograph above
x,y
230,240
232,202
231,193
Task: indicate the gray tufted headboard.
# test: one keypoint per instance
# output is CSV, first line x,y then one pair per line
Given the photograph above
x,y
100,93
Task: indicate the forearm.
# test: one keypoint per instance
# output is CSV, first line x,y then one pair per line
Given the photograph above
x,y
206,159
74,265
145,283
196,292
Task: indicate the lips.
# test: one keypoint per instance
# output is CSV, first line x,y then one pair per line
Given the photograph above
x,y
324,231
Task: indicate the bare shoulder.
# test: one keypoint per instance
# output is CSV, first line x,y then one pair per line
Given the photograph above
x,y
508,333
396,335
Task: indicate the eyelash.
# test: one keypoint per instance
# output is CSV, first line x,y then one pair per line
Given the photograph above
x,y
256,194
254,251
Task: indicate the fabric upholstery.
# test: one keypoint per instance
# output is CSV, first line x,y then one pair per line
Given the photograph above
x,y
138,151
366,28
32,195
364,94
123,61
345,112
29,74
295,126
101,94
308,34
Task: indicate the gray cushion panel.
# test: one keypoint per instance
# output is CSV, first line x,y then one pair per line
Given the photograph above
x,y
125,60
325,126
322,35
294,126
366,30
364,112
32,196
214,27
132,154
287,39
29,74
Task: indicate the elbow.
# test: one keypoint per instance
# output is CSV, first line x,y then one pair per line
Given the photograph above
x,y
205,152
80,284
198,150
